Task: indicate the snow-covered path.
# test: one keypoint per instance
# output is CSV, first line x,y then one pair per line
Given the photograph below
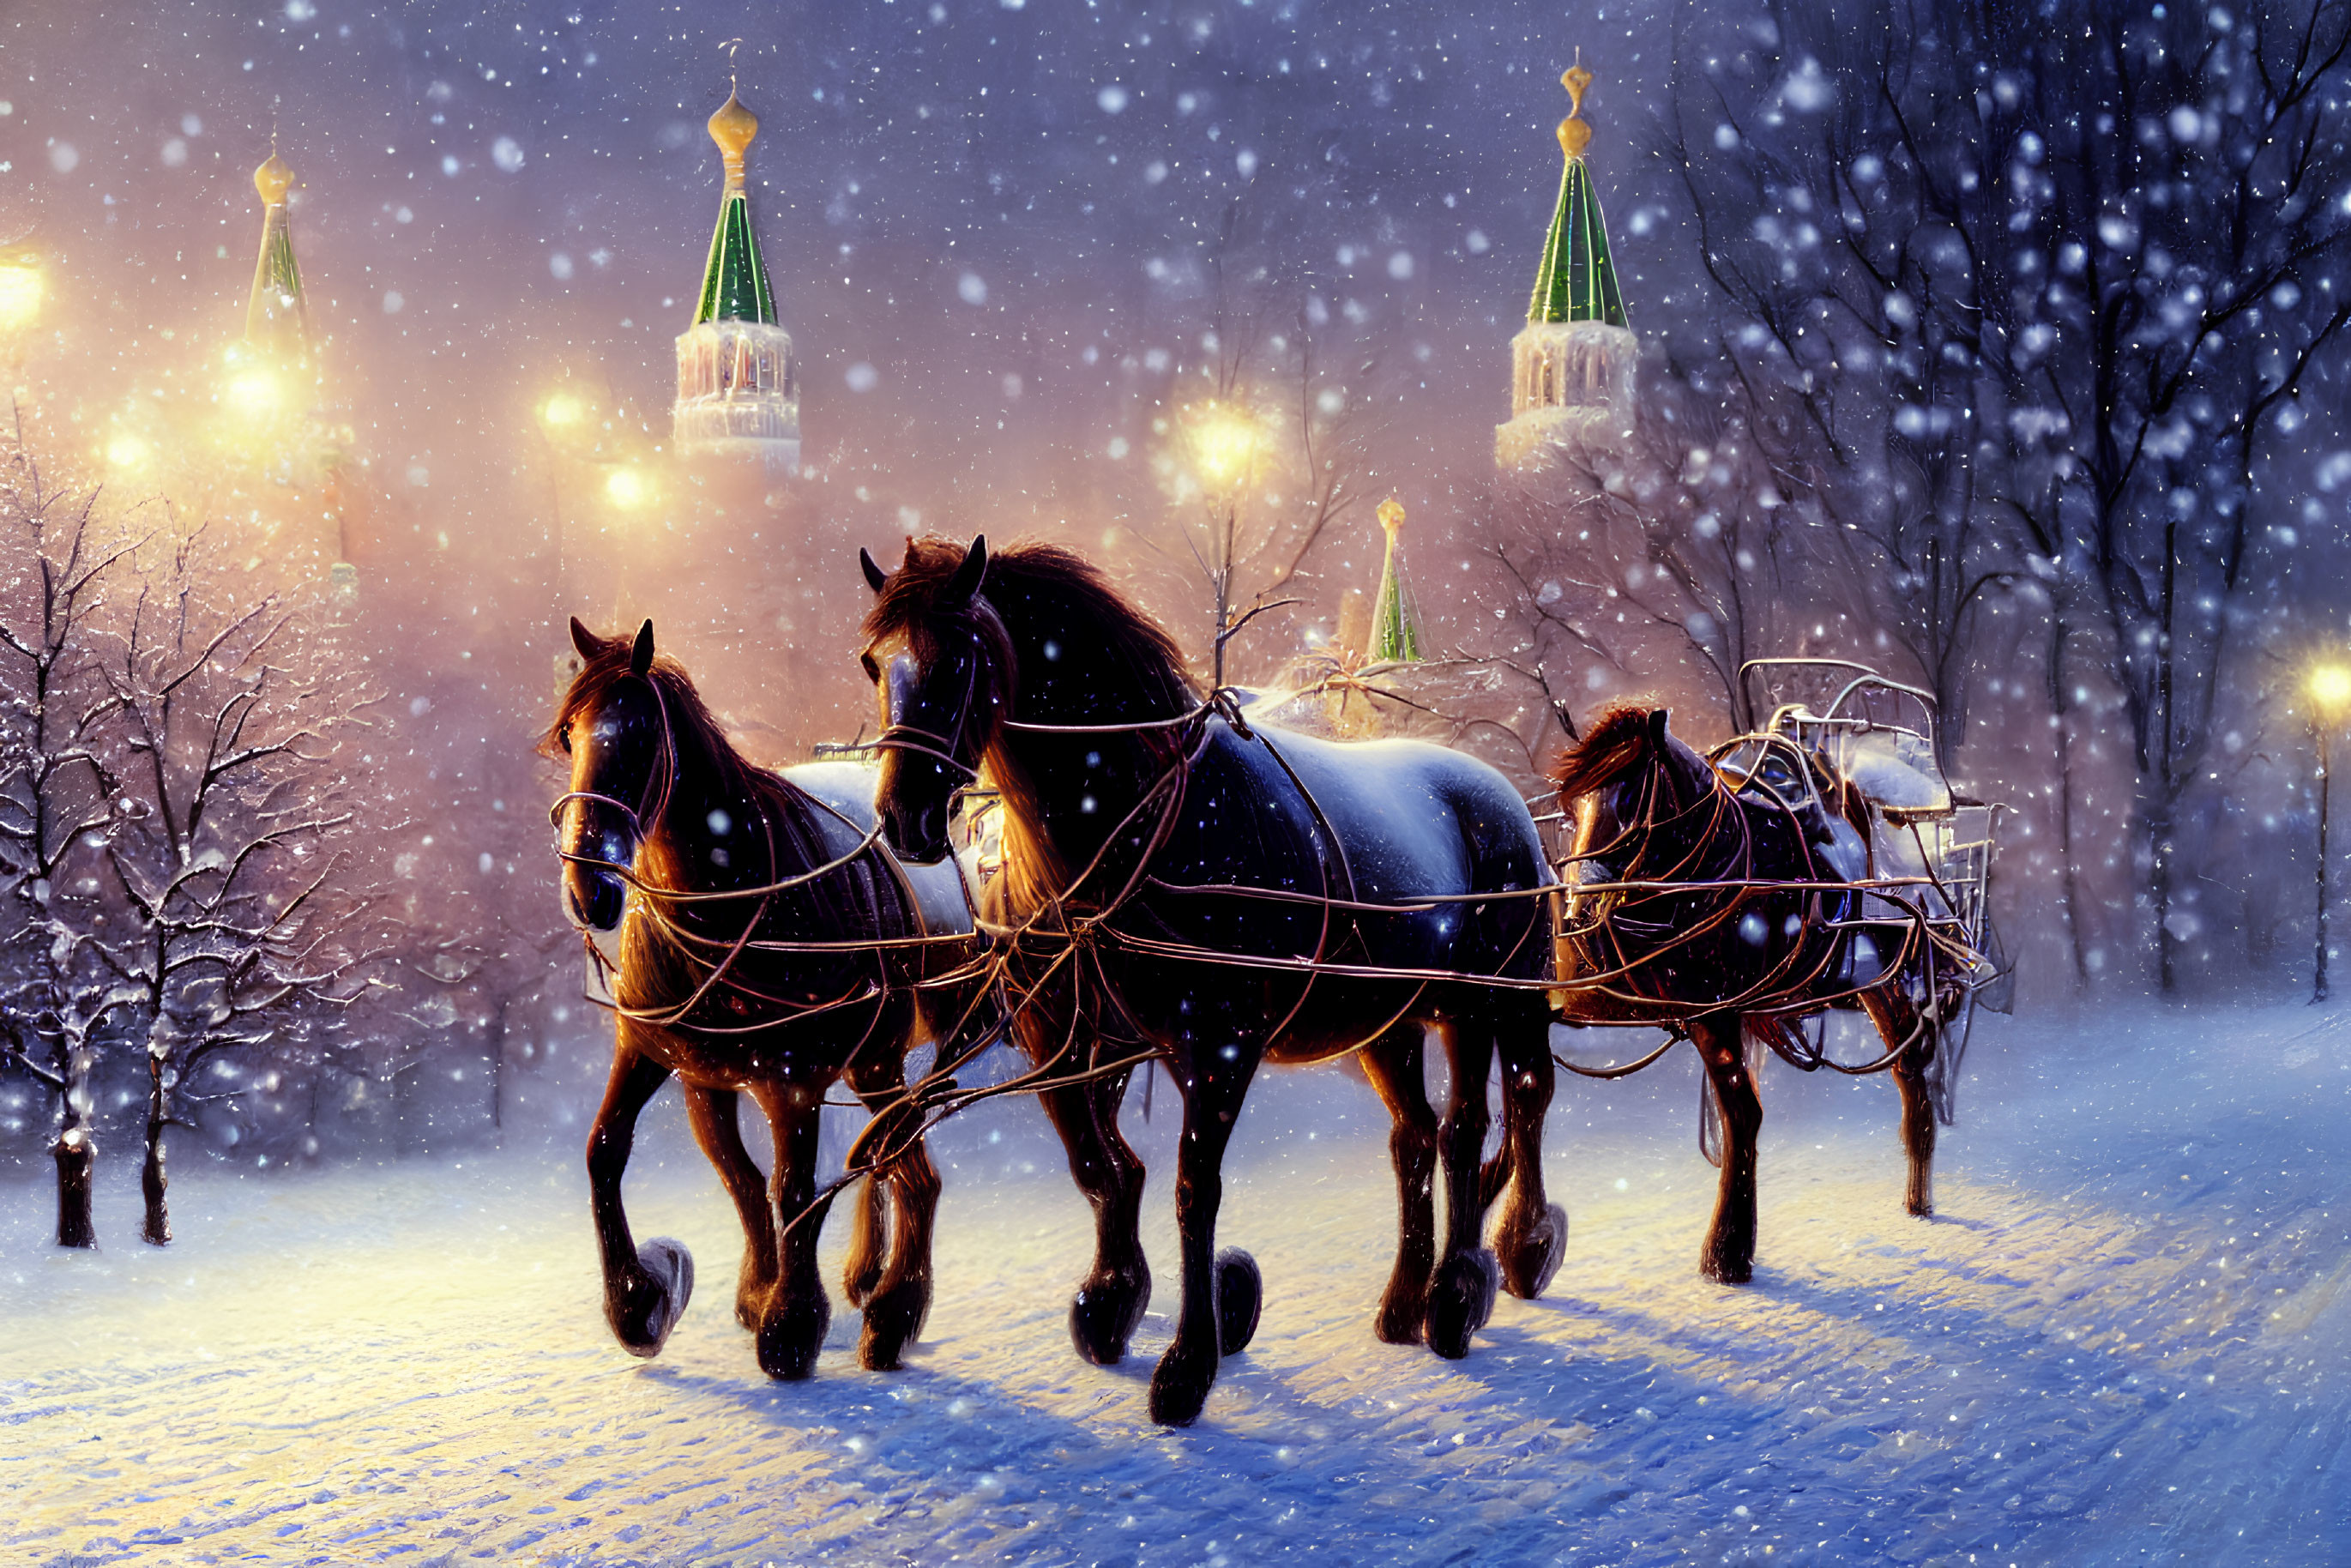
x,y
2124,1340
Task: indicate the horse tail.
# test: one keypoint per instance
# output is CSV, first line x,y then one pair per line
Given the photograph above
x,y
1619,740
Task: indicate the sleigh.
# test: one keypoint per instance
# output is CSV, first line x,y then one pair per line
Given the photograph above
x,y
1856,752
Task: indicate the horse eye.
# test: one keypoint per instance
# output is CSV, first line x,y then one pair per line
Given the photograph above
x,y
872,670
566,738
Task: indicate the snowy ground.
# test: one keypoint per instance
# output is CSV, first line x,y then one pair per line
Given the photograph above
x,y
2124,1340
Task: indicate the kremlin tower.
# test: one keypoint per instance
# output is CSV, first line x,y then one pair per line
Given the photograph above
x,y
738,385
273,395
1572,366
1395,620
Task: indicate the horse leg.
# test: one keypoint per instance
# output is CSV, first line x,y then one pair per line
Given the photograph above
x,y
898,1296
1531,1235
1896,1020
1461,1294
712,1113
646,1289
1215,1082
793,1320
1728,1255
1392,1065
1110,1300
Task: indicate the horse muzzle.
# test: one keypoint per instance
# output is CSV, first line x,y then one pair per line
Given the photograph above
x,y
594,900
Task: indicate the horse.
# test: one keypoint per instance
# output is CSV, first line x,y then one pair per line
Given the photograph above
x,y
776,946
1727,964
1180,885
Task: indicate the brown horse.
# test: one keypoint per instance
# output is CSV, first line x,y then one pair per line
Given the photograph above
x,y
1181,886
775,948
1684,927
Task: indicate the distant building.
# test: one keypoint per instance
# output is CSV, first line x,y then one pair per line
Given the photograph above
x,y
274,397
1395,619
277,311
1571,367
737,384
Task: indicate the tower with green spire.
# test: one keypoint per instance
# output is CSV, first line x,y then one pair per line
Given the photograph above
x,y
1572,366
277,313
1395,619
737,384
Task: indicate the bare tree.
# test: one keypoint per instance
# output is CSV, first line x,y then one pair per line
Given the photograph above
x,y
2049,281
1279,448
57,810
1677,536
251,908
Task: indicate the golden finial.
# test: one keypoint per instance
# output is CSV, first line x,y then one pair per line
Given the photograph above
x,y
734,126
272,178
1392,515
1574,133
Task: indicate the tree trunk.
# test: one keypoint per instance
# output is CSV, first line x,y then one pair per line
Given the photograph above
x,y
77,1156
498,1064
76,1149
2060,709
156,1231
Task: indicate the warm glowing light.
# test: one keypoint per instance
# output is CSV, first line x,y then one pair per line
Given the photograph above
x,y
2330,688
21,288
628,487
563,410
126,450
254,393
1225,441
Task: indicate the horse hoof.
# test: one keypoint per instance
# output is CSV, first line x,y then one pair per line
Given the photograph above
x,y
1103,1319
1460,1299
1528,1263
1240,1293
893,1320
1179,1391
790,1339
1727,1271
1400,1318
642,1324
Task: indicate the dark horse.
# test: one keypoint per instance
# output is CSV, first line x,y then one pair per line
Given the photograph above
x,y
775,948
1727,963
1177,886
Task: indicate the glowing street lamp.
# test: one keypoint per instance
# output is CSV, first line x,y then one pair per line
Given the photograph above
x,y
2329,689
22,288
629,488
127,452
1224,439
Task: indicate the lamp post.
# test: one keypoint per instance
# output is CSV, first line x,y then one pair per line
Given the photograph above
x,y
2330,696
1224,439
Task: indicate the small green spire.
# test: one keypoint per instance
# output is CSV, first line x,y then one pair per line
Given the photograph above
x,y
1395,629
1577,280
277,316
735,280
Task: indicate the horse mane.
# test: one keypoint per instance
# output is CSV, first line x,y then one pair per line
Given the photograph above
x,y
1613,746
1101,619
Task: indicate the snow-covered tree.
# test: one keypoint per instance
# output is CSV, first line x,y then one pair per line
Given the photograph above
x,y
251,905
2052,285
58,809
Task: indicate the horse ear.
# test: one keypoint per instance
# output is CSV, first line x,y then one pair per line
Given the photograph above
x,y
641,657
969,576
587,642
875,578
1657,725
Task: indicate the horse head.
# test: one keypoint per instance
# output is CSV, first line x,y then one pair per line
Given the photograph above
x,y
1628,775
612,729
943,668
